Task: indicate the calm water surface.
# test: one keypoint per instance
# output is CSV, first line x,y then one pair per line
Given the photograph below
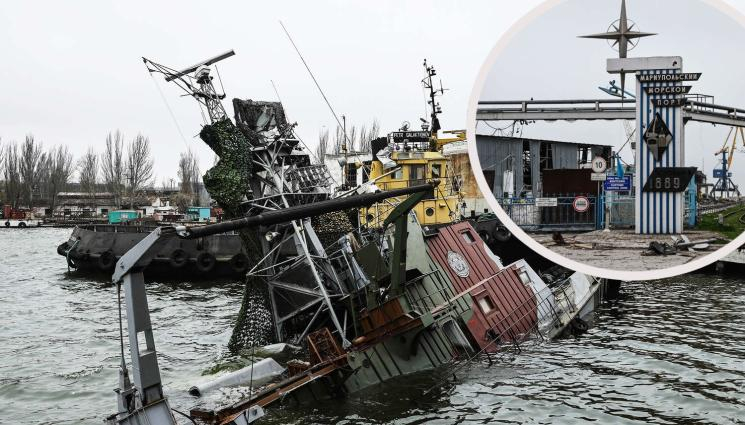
x,y
670,351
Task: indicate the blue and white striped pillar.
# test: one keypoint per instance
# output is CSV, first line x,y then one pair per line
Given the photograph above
x,y
658,212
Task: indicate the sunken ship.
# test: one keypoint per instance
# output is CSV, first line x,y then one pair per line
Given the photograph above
x,y
357,280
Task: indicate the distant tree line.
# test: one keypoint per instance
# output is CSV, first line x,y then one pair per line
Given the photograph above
x,y
29,170
358,139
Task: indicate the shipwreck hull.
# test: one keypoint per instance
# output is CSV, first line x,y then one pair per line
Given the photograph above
x,y
96,248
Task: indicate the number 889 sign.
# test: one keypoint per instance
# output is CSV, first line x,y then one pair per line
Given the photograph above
x,y
669,179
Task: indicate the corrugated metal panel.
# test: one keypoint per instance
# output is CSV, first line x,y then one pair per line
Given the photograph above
x,y
513,304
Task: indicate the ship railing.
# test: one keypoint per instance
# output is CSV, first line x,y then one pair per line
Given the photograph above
x,y
546,306
550,309
446,187
515,339
427,300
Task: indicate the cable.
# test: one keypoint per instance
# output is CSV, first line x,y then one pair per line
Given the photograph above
x,y
170,111
185,415
219,78
338,121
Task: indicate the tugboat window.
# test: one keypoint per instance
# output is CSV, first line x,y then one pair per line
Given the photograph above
x,y
436,171
486,304
417,174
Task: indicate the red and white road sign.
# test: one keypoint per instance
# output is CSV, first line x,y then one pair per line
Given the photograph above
x,y
581,204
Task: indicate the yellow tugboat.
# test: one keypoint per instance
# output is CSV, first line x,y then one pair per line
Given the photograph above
x,y
408,158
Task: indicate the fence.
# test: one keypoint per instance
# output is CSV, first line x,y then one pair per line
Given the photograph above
x,y
560,216
563,217
622,210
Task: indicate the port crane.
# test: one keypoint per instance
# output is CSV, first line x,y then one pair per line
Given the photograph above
x,y
724,184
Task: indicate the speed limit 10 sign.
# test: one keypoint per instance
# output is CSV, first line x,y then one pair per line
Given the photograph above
x,y
598,164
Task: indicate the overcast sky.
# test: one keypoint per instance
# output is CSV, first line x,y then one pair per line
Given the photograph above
x,y
73,73
546,60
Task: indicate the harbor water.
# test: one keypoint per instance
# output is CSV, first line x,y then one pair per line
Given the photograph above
x,y
669,351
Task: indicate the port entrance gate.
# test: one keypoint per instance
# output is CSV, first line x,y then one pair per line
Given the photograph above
x,y
660,110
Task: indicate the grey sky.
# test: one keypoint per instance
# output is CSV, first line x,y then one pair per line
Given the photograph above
x,y
547,61
72,73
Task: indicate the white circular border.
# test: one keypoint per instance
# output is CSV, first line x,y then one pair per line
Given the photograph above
x,y
514,228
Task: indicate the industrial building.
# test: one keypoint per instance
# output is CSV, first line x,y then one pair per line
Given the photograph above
x,y
517,167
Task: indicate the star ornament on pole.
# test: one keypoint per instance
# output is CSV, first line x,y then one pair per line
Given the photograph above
x,y
622,34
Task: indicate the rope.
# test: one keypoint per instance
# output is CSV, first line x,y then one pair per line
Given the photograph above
x,y
253,364
170,111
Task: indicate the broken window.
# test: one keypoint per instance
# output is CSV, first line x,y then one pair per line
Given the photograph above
x,y
583,156
527,168
546,156
436,171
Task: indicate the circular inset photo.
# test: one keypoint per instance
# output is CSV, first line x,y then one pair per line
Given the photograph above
x,y
606,134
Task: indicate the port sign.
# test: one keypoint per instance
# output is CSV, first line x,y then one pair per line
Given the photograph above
x,y
598,177
546,202
617,184
581,204
598,164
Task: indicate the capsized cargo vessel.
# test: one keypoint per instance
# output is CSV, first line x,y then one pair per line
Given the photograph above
x,y
368,300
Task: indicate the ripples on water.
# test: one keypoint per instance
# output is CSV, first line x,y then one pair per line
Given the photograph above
x,y
670,351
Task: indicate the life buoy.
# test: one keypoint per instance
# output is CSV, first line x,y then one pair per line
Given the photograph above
x,y
205,262
178,258
484,236
106,261
501,234
239,263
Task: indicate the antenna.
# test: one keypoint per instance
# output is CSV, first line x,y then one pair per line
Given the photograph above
x,y
207,62
197,83
433,93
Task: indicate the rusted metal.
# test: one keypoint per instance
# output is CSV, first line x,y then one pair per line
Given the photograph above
x,y
502,303
323,347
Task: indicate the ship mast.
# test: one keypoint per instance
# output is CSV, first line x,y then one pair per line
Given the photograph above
x,y
433,93
196,81
279,176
